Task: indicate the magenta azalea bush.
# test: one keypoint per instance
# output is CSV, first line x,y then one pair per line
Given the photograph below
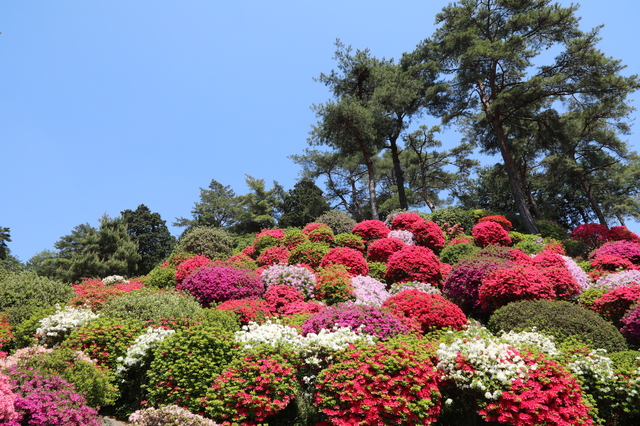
x,y
359,318
219,284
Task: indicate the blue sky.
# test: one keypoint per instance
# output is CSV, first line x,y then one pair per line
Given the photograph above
x,y
109,105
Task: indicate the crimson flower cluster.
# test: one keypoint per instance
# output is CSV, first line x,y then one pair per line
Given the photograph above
x,y
370,230
351,259
424,312
414,263
490,233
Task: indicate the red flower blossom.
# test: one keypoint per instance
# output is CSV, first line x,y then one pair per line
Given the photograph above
x,y
371,230
512,284
380,250
414,263
350,258
490,233
424,312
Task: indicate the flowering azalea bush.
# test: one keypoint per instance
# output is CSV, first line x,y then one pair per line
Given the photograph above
x,y
387,383
511,284
333,284
424,312
54,328
380,250
308,253
349,240
273,255
413,285
139,352
604,263
169,415
351,259
321,234
405,236
189,265
219,284
359,318
428,234
490,233
7,401
615,303
296,276
631,328
500,220
405,221
252,388
247,309
592,234
370,230
95,293
293,238
628,250
618,279
279,296
414,263
369,291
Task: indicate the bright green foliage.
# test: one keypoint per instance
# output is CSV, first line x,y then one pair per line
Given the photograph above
x,y
23,333
451,254
210,242
302,204
105,339
95,383
152,236
227,320
453,215
97,254
161,277
378,270
186,363
563,320
151,305
22,293
309,253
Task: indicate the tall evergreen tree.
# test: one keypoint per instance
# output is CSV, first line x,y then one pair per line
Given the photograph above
x,y
5,236
218,207
303,204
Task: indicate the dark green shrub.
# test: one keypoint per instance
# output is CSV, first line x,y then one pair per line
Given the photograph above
x,y
23,333
575,248
451,254
549,229
105,339
453,215
339,222
186,363
625,361
94,382
213,243
161,277
150,305
561,319
378,270
21,294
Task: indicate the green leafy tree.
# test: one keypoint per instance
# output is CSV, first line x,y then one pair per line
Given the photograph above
x,y
488,48
152,236
260,207
302,204
5,236
218,207
43,263
106,251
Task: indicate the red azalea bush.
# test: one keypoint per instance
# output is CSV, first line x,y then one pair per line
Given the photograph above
x,y
625,249
275,233
190,265
94,293
548,259
425,312
255,310
252,388
490,233
548,395
380,250
512,284
405,221
351,259
615,303
273,255
349,240
592,234
308,253
603,263
5,330
333,284
428,234
313,226
565,286
296,308
48,400
414,263
321,234
279,296
382,384
619,233
359,318
465,278
500,220
371,230
219,284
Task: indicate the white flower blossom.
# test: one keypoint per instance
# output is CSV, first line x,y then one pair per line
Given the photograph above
x,y
141,347
55,327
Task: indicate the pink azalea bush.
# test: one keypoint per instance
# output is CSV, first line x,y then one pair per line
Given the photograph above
x,y
380,250
189,265
370,230
369,291
511,284
219,284
7,401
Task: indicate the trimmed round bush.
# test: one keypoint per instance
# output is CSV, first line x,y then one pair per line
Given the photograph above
x,y
453,215
369,291
500,220
359,318
424,312
389,383
48,399
273,255
219,284
321,234
152,305
406,237
161,277
189,265
490,233
308,253
185,365
339,222
296,276
511,284
563,320
279,296
380,250
293,238
453,253
405,221
414,263
247,310
349,240
352,259
370,230
213,243
333,284
428,234
23,293
252,388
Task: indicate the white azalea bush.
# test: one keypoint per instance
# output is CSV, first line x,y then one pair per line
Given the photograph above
x,y
54,328
114,279
141,348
